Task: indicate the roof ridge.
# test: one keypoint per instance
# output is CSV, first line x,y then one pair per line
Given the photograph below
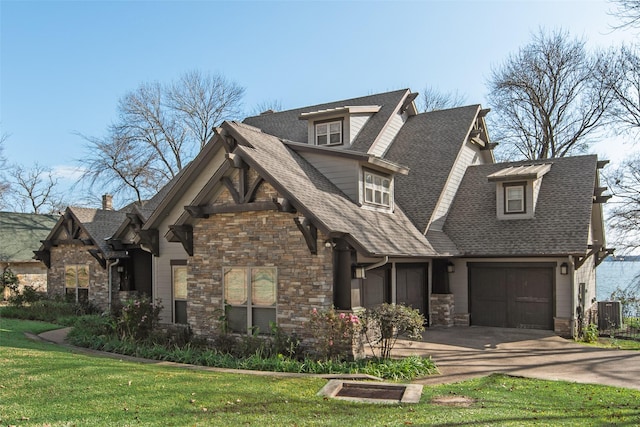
x,y
304,107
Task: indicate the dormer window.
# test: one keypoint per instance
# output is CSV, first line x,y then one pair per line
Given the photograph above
x,y
514,197
377,189
337,126
329,133
517,189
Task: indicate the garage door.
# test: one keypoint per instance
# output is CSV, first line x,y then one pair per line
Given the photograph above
x,y
511,296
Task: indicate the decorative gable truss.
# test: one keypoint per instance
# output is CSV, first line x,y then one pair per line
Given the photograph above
x,y
236,188
597,249
68,231
479,135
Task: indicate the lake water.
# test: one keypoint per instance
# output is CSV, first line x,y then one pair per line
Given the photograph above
x,y
615,274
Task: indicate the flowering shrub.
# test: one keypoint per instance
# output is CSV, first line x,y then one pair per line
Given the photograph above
x,y
138,318
383,325
333,332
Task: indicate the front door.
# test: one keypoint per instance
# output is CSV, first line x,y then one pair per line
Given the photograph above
x,y
411,286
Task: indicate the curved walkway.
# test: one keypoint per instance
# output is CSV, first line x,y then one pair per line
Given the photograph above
x,y
462,353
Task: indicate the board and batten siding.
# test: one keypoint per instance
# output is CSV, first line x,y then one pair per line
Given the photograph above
x,y
468,155
587,274
162,286
343,173
170,251
388,134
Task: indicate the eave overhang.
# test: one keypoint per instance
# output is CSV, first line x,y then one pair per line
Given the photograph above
x,y
348,154
340,111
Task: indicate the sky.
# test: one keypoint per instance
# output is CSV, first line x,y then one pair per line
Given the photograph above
x,y
65,64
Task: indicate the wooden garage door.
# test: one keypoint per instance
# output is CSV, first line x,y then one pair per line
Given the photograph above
x,y
511,297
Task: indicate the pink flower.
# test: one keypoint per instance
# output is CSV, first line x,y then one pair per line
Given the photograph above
x,y
342,315
314,311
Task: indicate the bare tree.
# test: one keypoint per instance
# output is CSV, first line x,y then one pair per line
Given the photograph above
x,y
624,214
203,101
120,165
36,190
624,80
4,184
432,99
547,99
159,129
628,11
273,106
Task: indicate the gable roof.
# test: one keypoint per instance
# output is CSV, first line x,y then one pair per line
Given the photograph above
x,y
372,232
20,234
287,124
99,224
562,215
428,144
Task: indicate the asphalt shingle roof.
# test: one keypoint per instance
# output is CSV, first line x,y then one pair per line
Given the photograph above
x,y
21,233
287,125
562,215
428,144
99,223
378,233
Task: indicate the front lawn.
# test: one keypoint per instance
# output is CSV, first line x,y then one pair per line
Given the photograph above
x,y
43,384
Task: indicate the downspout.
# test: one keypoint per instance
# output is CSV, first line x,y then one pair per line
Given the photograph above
x,y
110,284
572,284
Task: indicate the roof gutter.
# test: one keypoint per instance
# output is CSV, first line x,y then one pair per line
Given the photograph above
x,y
377,264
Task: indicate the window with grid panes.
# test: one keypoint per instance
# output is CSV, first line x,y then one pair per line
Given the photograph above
x,y
514,198
76,282
329,133
250,295
377,189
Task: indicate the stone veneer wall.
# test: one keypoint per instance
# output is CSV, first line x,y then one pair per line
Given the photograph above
x,y
78,254
442,310
562,326
32,274
264,238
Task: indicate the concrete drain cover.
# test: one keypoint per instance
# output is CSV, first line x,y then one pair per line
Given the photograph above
x,y
360,391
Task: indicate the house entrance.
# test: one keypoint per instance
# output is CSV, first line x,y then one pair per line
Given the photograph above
x,y
410,289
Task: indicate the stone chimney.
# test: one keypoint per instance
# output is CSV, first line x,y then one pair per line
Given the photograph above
x,y
107,202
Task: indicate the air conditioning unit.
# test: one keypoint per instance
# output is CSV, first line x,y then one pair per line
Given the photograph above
x,y
609,315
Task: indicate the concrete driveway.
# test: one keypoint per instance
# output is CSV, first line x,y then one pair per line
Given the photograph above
x,y
467,352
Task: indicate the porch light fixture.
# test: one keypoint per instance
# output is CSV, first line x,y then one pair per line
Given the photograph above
x,y
451,268
120,269
564,268
359,273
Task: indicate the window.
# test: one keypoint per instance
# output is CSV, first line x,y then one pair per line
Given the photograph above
x,y
76,282
179,279
250,293
329,133
377,189
514,198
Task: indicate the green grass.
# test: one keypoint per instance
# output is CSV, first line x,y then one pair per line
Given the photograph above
x,y
46,385
617,343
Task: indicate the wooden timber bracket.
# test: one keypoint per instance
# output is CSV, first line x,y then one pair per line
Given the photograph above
x,y
150,238
184,233
309,231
